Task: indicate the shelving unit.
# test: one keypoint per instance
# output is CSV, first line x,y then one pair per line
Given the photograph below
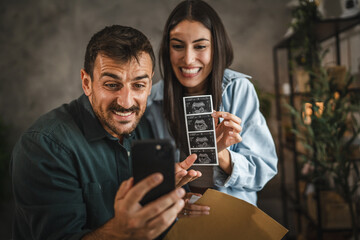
x,y
324,30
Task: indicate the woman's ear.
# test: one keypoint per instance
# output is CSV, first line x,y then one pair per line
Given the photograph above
x,y
86,82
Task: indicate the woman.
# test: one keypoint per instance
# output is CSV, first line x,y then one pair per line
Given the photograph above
x,y
194,56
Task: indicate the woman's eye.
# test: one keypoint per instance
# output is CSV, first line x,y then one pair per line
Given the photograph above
x,y
200,47
177,46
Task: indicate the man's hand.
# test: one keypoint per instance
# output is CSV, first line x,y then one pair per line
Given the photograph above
x,y
133,221
182,176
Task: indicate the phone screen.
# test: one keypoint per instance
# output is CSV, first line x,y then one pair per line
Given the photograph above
x,y
150,156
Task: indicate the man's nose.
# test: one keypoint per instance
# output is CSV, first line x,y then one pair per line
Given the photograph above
x,y
125,97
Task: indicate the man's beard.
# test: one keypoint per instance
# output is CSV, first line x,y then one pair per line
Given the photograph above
x,y
110,124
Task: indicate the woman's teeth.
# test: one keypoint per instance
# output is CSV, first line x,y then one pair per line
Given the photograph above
x,y
190,70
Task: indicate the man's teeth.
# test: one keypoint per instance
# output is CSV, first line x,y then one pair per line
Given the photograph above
x,y
190,70
123,114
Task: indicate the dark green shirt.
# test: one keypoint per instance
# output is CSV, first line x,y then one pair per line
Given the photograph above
x,y
66,170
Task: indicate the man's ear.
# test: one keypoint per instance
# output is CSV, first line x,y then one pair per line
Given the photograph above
x,y
86,82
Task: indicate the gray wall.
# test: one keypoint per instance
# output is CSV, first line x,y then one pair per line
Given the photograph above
x,y
42,46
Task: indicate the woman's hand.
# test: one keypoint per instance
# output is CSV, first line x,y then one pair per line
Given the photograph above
x,y
192,209
228,131
182,175
227,134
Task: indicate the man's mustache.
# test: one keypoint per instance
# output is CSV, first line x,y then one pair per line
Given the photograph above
x,y
117,108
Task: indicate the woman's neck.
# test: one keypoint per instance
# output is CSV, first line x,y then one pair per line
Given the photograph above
x,y
195,92
202,92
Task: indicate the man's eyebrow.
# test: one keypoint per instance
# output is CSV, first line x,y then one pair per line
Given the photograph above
x,y
195,41
112,75
141,77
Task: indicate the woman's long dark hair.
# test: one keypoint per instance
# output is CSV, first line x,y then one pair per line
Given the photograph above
x,y
200,11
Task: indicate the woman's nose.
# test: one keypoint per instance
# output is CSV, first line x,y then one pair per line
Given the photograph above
x,y
189,56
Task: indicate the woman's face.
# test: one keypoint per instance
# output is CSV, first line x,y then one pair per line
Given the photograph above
x,y
191,54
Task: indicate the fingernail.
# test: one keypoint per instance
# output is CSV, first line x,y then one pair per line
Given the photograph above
x,y
180,192
213,114
231,132
226,123
157,177
207,209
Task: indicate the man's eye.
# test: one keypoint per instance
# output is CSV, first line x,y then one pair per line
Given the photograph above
x,y
112,85
139,86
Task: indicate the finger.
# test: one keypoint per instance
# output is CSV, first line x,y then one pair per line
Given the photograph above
x,y
188,162
227,116
216,119
160,205
179,175
190,176
124,188
198,174
231,124
234,138
193,213
196,207
163,221
141,188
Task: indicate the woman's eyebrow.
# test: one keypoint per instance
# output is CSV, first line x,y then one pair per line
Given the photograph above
x,y
195,41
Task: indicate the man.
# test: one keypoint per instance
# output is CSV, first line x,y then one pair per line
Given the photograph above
x,y
67,168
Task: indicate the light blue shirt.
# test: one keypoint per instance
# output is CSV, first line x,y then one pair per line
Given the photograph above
x,y
254,160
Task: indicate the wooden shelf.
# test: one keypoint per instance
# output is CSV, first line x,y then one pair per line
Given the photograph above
x,y
325,29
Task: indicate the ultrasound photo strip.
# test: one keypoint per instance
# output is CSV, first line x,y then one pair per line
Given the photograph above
x,y
200,129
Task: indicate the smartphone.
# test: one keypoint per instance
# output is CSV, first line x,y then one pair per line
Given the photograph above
x,y
150,156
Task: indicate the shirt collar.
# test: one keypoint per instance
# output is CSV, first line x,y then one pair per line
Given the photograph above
x,y
231,75
92,128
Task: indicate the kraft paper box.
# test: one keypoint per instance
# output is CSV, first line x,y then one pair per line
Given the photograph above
x,y
230,218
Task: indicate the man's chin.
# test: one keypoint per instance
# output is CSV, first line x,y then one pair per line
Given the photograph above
x,y
126,127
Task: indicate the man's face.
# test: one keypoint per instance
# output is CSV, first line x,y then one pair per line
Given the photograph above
x,y
200,125
119,91
202,142
198,107
204,158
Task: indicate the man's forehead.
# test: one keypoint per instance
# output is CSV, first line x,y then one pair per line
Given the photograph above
x,y
134,68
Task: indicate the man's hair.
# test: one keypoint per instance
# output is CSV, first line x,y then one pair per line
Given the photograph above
x,y
117,42
200,11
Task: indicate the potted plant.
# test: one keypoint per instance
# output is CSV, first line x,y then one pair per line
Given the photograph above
x,y
326,124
